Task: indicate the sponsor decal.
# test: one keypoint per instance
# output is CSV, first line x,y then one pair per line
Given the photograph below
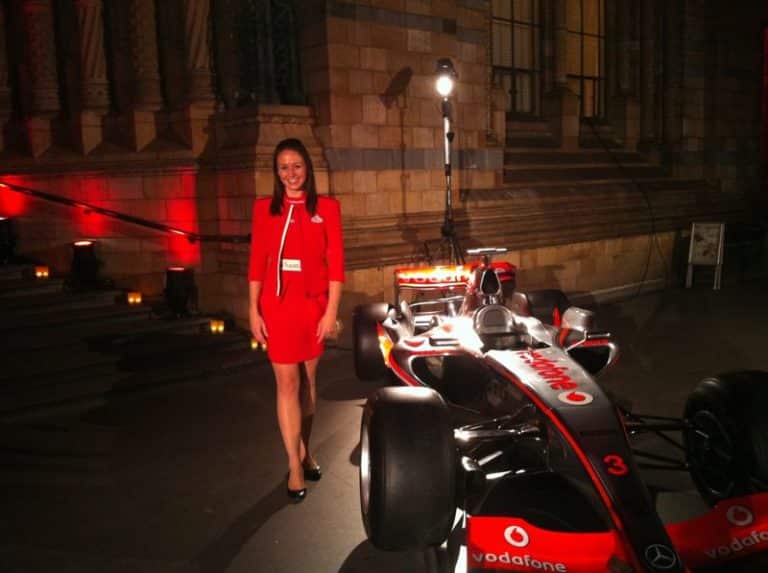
x,y
739,515
513,544
732,529
737,544
575,398
433,276
556,376
530,563
660,557
516,536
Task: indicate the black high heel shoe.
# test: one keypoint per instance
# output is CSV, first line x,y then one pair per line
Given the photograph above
x,y
313,474
297,495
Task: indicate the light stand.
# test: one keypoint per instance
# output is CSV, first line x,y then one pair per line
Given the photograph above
x,y
446,76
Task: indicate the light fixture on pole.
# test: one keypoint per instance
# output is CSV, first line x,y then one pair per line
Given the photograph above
x,y
446,80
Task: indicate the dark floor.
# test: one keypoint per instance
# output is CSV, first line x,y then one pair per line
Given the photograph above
x,y
191,478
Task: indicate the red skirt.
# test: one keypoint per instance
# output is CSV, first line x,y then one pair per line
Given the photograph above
x,y
291,321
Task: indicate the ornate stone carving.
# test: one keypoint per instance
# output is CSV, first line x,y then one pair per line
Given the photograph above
x,y
144,59
197,43
5,90
94,85
41,58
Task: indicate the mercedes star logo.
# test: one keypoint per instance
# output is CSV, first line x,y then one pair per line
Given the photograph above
x,y
660,556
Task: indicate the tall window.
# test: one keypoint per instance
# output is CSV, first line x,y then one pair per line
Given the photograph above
x,y
586,48
516,35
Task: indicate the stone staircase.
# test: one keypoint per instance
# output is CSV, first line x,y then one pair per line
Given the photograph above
x,y
71,351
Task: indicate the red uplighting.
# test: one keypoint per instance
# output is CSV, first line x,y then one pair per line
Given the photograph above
x,y
13,204
181,211
92,190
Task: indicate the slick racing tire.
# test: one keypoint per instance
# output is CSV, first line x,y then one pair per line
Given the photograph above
x,y
548,305
726,439
408,465
369,363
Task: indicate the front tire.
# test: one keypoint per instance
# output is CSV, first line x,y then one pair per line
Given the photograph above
x,y
407,469
726,439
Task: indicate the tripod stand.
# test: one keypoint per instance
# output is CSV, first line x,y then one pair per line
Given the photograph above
x,y
449,241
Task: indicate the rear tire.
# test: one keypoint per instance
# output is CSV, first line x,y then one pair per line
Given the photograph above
x,y
727,439
368,360
408,466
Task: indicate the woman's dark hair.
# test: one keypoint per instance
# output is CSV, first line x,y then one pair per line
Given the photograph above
x,y
278,193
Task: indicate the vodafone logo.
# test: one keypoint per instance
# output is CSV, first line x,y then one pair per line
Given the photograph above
x,y
575,398
516,536
739,515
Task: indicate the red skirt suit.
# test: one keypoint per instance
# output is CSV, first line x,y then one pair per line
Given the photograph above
x,y
294,259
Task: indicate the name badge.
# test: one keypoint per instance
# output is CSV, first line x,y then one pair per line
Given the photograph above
x,y
293,265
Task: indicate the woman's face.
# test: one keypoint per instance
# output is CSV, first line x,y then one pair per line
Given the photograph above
x,y
292,171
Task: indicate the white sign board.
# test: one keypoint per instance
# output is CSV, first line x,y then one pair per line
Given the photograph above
x,y
706,249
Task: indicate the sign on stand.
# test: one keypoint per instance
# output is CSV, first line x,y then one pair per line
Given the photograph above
x,y
706,249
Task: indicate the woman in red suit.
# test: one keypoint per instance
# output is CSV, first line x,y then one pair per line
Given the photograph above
x,y
295,277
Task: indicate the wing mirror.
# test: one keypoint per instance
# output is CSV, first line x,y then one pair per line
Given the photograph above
x,y
594,350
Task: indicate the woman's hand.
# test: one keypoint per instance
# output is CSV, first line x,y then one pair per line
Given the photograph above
x,y
258,328
326,327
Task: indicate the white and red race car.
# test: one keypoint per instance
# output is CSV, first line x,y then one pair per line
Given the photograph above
x,y
498,450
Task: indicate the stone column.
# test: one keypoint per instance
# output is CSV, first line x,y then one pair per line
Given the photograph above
x,y
94,85
648,72
191,123
625,111
5,89
40,66
561,105
140,123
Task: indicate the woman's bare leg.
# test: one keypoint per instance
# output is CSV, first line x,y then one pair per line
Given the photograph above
x,y
289,419
308,395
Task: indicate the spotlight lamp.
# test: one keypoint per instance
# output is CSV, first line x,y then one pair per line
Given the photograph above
x,y
179,290
42,272
446,77
84,269
7,240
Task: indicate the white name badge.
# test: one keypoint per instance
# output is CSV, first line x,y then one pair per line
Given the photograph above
x,y
293,265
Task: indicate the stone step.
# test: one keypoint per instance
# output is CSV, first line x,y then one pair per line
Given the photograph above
x,y
100,335
87,392
21,322
582,173
555,159
529,141
16,291
13,271
43,301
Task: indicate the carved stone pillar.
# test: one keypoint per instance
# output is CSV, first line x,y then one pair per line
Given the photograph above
x,y
94,85
561,105
191,122
648,72
40,67
197,50
5,90
140,124
625,110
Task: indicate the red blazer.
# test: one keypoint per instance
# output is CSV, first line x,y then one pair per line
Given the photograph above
x,y
323,253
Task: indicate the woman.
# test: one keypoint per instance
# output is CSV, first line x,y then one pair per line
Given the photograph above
x,y
295,277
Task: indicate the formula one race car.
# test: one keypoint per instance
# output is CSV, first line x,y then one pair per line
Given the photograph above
x,y
499,451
